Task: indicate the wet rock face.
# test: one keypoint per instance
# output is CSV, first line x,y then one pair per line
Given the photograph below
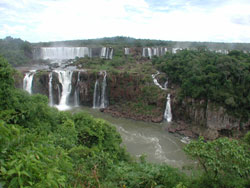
x,y
85,85
218,119
40,83
56,88
213,118
124,87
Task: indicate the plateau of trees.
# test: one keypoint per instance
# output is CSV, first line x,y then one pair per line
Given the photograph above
x,y
43,147
201,74
16,51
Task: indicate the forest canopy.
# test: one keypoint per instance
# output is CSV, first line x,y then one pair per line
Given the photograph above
x,y
16,51
205,75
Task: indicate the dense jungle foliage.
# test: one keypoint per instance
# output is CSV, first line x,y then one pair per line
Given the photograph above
x,y
16,51
121,41
43,147
201,74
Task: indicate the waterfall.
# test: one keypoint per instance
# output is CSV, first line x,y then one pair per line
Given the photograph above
x,y
159,51
156,81
166,85
65,78
100,97
155,51
50,89
150,53
167,113
96,97
76,94
175,50
143,52
28,80
65,52
106,53
104,100
126,51
110,55
59,92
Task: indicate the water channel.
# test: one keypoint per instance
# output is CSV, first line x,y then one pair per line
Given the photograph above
x,y
142,138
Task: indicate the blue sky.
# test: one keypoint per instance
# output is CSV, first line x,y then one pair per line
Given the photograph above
x,y
180,20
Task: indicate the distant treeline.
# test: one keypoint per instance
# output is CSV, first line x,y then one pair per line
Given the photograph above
x,y
16,51
19,52
121,41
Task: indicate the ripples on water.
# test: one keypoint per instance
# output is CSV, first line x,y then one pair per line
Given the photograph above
x,y
150,139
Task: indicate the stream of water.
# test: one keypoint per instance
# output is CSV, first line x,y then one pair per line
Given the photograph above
x,y
151,139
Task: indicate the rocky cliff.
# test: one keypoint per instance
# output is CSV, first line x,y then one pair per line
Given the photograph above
x,y
205,119
133,95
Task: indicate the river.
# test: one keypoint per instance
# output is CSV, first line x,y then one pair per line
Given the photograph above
x,y
150,139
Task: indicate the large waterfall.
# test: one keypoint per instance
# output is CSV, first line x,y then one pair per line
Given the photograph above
x,y
156,51
100,95
65,78
106,53
65,52
28,80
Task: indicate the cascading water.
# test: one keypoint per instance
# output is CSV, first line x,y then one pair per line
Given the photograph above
x,y
100,96
159,51
104,100
167,113
126,51
76,94
156,81
51,103
65,77
96,97
65,52
106,53
28,80
111,54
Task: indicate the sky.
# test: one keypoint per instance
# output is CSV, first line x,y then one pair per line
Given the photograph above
x,y
177,20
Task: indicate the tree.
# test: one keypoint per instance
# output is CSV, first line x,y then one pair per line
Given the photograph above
x,y
224,162
7,83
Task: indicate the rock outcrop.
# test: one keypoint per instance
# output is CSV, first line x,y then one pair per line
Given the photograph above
x,y
205,118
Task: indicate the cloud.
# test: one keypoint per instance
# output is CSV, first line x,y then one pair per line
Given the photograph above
x,y
188,20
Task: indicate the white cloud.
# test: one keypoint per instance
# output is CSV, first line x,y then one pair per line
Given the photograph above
x,y
39,20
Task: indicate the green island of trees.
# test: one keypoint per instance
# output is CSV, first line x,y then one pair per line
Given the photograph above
x,y
43,147
205,75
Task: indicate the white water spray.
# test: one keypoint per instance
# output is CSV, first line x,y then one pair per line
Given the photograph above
x,y
167,113
65,78
51,103
100,97
28,80
156,81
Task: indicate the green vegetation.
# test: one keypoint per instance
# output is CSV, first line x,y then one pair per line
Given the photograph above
x,y
222,79
121,42
42,147
225,162
16,51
